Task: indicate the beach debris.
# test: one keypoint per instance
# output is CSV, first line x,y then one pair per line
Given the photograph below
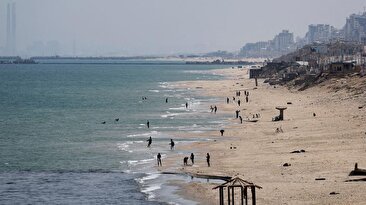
x,y
289,103
249,120
360,107
279,130
314,114
286,164
320,179
333,193
357,171
298,151
356,180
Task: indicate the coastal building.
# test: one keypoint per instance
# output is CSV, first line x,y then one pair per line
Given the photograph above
x,y
340,67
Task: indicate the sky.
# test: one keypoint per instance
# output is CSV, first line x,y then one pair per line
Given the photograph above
x,y
163,27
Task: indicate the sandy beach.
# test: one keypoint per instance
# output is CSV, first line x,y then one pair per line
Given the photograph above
x,y
333,140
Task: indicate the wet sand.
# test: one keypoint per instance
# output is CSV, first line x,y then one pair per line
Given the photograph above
x,y
334,140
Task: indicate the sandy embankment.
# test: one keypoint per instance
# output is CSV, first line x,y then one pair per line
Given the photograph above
x,y
333,140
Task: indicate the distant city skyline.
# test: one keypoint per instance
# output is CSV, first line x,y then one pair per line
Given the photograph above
x,y
160,27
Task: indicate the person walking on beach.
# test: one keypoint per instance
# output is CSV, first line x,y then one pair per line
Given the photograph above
x,y
192,158
247,99
172,144
222,132
237,114
149,141
239,102
148,124
185,161
208,159
241,120
227,100
159,160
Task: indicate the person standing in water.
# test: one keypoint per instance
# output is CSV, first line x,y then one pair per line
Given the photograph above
x,y
172,144
215,109
166,100
159,159
208,159
148,124
149,141
186,105
192,158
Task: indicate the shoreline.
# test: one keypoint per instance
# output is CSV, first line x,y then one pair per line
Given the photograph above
x,y
336,134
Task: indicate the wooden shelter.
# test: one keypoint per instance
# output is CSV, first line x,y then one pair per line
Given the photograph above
x,y
238,183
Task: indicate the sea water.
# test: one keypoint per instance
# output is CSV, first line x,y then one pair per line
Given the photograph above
x,y
56,149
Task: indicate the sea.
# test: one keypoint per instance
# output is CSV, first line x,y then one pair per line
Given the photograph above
x,y
74,131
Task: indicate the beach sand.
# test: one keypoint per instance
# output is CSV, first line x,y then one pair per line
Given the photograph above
x,y
334,140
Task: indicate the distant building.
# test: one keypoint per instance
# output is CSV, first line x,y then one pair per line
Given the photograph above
x,y
320,33
355,28
283,41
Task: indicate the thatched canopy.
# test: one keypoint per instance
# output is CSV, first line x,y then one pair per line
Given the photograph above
x,y
238,182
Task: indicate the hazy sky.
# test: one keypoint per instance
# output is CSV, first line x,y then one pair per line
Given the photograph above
x,y
140,27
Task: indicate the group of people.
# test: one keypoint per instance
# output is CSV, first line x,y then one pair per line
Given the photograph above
x,y
172,143
185,160
213,109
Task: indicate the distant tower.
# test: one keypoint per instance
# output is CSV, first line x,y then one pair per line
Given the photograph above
x,y
11,29
8,30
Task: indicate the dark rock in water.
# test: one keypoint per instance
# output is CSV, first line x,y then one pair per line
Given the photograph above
x,y
286,165
319,179
333,193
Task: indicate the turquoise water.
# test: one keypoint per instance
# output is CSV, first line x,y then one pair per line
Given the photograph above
x,y
52,138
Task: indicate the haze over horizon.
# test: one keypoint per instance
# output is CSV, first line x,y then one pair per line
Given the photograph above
x,y
163,27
